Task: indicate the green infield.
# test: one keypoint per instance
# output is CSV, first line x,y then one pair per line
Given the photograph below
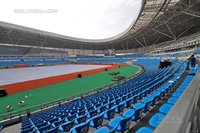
x,y
63,89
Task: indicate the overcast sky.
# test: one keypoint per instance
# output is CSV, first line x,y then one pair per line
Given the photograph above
x,y
88,19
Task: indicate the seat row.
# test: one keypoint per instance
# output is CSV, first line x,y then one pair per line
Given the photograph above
x,y
122,122
166,107
92,110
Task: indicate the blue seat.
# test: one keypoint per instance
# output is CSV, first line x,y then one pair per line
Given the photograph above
x,y
97,105
110,105
144,130
101,109
70,118
45,128
135,98
129,113
80,119
156,97
80,128
138,110
53,120
165,108
41,124
26,126
180,90
96,121
141,95
147,91
91,113
176,94
119,108
163,91
65,127
122,123
128,102
148,102
172,100
28,130
53,130
57,123
63,116
117,101
82,112
108,114
156,119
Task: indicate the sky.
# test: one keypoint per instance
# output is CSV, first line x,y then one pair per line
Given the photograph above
x,y
87,19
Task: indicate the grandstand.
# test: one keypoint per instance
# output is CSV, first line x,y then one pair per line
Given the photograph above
x,y
52,83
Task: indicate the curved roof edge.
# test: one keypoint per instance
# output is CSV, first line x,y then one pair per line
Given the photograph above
x,y
32,30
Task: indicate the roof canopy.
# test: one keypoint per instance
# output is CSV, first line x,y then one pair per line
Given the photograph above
x,y
159,21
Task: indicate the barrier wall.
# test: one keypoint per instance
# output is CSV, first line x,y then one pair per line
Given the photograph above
x,y
21,66
28,85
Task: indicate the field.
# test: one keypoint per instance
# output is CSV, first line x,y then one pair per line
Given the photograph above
x,y
63,89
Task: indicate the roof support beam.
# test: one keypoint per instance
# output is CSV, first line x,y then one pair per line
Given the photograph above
x,y
43,42
144,40
163,34
122,46
10,39
127,45
156,40
184,31
139,42
20,38
192,14
170,30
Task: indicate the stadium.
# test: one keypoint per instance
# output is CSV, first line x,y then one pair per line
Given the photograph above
x,y
144,79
